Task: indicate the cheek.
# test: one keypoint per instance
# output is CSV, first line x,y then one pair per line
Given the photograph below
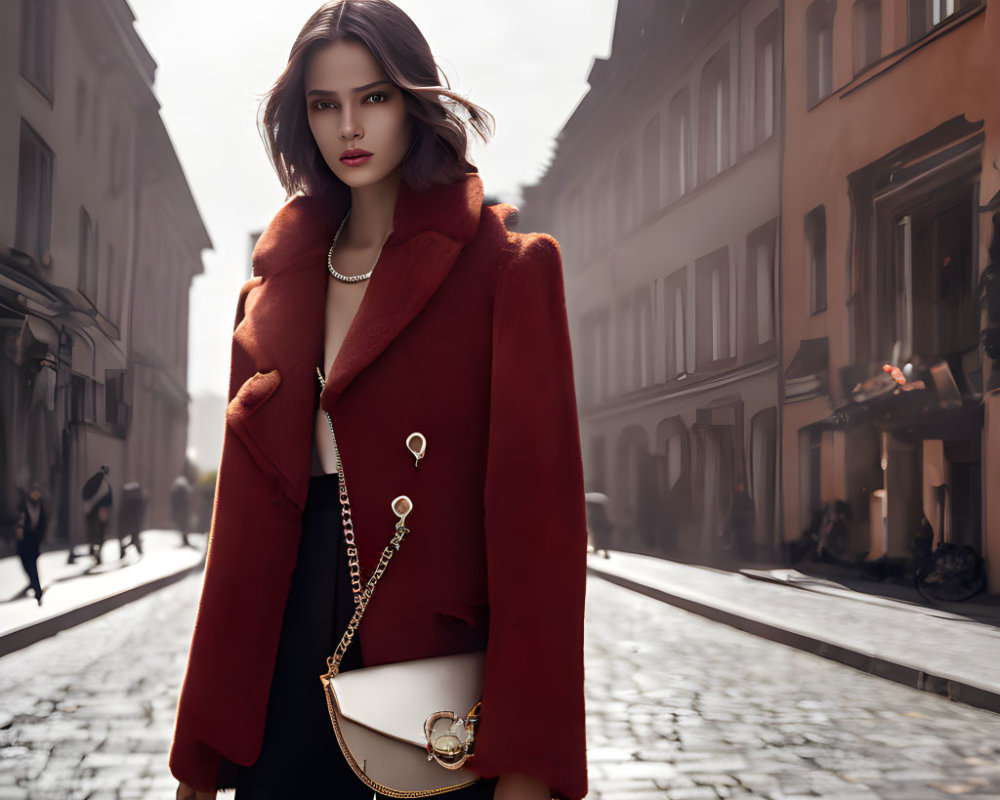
x,y
404,131
325,129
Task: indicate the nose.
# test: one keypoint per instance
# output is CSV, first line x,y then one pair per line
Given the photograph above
x,y
350,127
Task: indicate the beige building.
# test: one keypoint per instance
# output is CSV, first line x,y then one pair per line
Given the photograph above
x,y
664,194
99,240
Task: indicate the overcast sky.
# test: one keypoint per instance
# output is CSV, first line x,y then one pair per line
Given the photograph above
x,y
525,61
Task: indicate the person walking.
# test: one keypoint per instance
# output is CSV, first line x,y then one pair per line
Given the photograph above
x,y
399,354
131,518
97,500
30,531
599,523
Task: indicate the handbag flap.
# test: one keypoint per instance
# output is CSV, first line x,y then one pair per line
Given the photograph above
x,y
395,699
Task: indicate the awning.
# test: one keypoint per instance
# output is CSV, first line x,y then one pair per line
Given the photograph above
x,y
813,357
806,375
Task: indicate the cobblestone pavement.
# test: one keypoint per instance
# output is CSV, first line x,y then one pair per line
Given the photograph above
x,y
679,708
687,709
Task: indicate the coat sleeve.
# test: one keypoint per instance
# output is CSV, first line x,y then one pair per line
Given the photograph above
x,y
533,716
191,760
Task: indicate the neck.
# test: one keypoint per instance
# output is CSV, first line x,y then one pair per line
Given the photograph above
x,y
372,210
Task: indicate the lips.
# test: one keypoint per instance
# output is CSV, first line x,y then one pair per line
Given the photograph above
x,y
355,157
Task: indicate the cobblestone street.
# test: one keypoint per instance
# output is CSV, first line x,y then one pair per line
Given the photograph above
x,y
678,708
683,708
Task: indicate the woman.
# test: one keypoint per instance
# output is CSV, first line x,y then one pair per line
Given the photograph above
x,y
30,531
420,312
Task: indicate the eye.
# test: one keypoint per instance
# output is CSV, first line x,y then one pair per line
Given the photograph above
x,y
376,97
323,104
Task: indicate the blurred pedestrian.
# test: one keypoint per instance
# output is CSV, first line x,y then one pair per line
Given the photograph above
x,y
131,518
598,524
30,531
97,499
180,507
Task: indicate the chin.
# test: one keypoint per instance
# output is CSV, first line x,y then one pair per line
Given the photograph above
x,y
357,177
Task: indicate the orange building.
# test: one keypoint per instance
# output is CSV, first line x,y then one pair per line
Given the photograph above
x,y
890,180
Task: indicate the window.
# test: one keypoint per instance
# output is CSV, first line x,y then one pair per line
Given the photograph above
x,y
819,47
83,398
766,78
674,302
635,340
34,196
923,15
624,346
595,325
713,341
760,286
87,257
602,211
714,114
114,394
815,238
570,228
626,186
37,43
936,313
643,337
867,33
651,167
113,288
678,164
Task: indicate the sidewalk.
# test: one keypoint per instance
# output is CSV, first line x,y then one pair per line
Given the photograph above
x,y
75,593
953,652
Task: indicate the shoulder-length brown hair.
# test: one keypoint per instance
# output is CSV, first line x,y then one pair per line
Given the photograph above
x,y
442,119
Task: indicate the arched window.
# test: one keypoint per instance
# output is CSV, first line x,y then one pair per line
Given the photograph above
x,y
678,161
714,114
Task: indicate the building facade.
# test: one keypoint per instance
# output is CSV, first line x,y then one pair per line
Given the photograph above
x,y
99,241
664,194
888,196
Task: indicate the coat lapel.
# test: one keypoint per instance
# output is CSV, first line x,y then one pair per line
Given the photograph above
x,y
430,228
283,330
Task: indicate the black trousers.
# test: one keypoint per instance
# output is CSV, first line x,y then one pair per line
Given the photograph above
x,y
300,757
27,551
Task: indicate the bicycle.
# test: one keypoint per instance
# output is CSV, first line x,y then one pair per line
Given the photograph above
x,y
951,573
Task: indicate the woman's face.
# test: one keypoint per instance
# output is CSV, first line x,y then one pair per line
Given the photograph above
x,y
353,106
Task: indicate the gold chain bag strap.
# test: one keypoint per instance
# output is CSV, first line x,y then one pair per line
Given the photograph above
x,y
388,719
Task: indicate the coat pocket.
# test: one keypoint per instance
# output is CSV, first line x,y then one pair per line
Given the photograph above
x,y
254,391
251,397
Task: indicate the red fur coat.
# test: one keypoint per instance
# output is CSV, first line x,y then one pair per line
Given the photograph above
x,y
461,335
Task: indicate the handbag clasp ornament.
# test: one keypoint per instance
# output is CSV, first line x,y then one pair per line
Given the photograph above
x,y
451,739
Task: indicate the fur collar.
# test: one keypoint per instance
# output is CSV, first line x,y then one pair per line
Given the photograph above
x,y
305,225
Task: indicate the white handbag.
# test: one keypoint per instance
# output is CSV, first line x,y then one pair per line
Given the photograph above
x,y
379,715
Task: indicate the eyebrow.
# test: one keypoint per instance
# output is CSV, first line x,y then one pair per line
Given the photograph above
x,y
364,88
